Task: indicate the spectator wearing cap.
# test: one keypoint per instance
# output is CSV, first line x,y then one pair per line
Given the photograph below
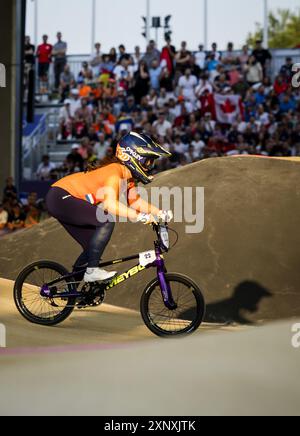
x,y
67,82
45,168
60,58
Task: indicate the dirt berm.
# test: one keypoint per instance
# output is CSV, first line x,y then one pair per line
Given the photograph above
x,y
246,260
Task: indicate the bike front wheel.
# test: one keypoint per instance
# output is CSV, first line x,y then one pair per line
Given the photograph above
x,y
189,312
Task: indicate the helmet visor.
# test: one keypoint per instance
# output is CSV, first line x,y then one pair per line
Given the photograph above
x,y
148,165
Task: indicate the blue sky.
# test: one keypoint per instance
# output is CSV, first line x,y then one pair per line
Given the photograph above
x,y
119,21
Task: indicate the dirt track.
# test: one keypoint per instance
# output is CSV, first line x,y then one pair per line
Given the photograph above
x,y
253,372
246,260
105,361
103,325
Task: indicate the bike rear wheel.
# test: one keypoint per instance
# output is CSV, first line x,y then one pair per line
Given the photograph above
x,y
27,294
185,319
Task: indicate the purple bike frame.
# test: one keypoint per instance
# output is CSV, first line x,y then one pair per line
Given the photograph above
x,y
164,285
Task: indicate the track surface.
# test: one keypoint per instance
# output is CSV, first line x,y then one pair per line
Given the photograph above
x,y
246,260
253,372
105,325
105,362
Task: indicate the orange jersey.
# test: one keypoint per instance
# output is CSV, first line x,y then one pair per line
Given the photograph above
x,y
90,186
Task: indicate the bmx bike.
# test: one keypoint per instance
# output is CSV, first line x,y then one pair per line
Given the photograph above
x,y
172,305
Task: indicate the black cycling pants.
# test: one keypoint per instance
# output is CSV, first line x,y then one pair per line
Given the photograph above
x,y
81,221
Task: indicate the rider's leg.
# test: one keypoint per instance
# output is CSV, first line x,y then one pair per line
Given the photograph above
x,y
93,241
82,220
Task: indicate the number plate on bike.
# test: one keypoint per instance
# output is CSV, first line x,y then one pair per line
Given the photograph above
x,y
147,258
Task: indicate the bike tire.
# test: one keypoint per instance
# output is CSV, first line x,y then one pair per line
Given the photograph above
x,y
145,312
18,297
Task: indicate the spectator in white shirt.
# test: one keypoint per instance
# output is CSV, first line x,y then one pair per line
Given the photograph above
x,y
45,168
209,123
187,85
75,102
65,111
263,116
179,146
96,59
191,155
162,127
200,57
198,145
124,71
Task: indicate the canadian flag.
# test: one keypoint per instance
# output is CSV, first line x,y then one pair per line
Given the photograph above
x,y
228,108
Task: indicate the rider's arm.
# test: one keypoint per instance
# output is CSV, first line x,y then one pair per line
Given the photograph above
x,y
111,201
140,205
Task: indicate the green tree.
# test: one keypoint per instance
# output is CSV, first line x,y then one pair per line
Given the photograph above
x,y
284,30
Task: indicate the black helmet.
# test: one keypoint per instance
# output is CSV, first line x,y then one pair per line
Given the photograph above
x,y
138,153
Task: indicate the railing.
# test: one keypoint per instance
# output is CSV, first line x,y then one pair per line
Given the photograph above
x,y
35,145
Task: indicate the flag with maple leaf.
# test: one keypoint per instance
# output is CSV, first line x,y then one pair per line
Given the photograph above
x,y
228,108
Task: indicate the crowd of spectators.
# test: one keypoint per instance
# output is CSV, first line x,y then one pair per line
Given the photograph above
x,y
19,213
169,95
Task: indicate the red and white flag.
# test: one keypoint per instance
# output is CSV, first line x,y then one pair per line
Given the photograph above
x,y
228,108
